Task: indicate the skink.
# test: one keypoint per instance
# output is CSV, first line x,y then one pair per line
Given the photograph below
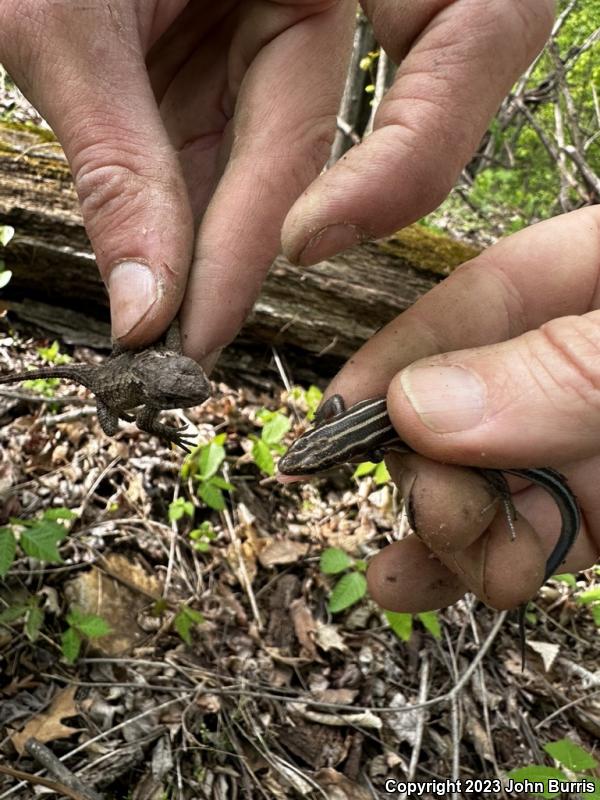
x,y
365,432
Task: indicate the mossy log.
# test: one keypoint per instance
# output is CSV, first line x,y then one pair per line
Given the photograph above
x,y
327,310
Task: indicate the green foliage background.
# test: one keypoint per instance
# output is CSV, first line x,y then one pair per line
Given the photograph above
x,y
527,189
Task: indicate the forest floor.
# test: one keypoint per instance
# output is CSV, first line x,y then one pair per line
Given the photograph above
x,y
225,674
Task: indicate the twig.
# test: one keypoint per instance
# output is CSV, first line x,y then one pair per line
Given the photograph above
x,y
27,777
245,580
46,758
420,727
380,87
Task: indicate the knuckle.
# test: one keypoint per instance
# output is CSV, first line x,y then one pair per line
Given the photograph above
x,y
113,192
572,351
108,189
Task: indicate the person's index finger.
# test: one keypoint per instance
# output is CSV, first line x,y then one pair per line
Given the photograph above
x,y
281,132
427,126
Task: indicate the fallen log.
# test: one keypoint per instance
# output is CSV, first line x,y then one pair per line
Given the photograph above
x,y
327,310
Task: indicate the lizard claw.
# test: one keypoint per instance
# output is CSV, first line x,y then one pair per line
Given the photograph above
x,y
186,441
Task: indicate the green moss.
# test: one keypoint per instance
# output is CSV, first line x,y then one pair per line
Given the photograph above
x,y
21,140
427,250
43,134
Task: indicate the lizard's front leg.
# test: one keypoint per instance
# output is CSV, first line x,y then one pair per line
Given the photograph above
x,y
147,420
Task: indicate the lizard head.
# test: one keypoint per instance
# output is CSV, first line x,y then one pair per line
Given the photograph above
x,y
170,380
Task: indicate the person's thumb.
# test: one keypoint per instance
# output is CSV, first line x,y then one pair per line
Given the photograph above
x,y
532,400
84,70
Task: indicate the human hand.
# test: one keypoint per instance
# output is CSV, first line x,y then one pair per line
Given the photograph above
x,y
498,366
171,112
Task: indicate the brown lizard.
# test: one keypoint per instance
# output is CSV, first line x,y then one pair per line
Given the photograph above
x,y
149,380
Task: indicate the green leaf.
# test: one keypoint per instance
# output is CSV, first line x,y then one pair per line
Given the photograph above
x,y
262,457
54,514
5,276
34,622
212,456
13,613
568,578
589,596
570,755
595,609
350,588
381,475
40,540
70,645
212,495
180,507
364,468
44,386
400,623
274,430
205,530
334,560
8,550
184,620
6,234
53,355
595,794
217,480
431,621
538,772
89,625
313,399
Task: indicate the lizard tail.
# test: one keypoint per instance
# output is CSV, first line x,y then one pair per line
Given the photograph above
x,y
72,372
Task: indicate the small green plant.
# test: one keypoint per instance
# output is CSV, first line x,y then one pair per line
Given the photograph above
x,y
52,356
6,234
378,470
180,508
30,612
352,586
310,398
275,427
202,466
80,627
402,623
184,621
591,598
203,537
38,538
574,765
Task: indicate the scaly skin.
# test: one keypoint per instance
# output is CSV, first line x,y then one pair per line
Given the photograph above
x,y
150,380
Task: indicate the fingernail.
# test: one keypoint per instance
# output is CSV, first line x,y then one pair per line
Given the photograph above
x,y
133,292
329,241
447,399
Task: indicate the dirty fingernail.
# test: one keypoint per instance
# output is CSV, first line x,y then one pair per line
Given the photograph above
x,y
446,398
133,291
329,241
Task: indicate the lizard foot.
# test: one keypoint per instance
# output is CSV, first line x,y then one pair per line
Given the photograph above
x,y
177,436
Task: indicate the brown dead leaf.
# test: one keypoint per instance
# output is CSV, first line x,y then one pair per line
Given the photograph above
x,y
48,726
305,628
338,787
118,592
282,551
